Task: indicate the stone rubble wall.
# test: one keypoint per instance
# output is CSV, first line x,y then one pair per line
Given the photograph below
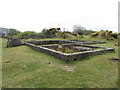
x,y
52,52
88,42
89,46
55,47
82,55
68,45
63,42
79,44
76,48
48,42
43,42
14,41
67,57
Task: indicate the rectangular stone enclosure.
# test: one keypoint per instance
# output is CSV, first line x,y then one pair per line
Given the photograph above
x,y
80,48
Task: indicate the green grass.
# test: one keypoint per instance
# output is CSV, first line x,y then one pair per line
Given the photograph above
x,y
30,69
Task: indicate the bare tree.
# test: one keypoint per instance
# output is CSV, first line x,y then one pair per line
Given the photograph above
x,y
78,29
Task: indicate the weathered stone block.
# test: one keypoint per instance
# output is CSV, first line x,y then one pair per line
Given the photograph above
x,y
13,41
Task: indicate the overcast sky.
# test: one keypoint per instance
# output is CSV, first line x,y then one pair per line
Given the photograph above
x,y
34,15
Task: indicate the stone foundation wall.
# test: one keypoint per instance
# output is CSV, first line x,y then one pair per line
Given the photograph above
x,y
63,42
43,42
48,42
67,57
81,48
55,47
79,44
88,42
52,52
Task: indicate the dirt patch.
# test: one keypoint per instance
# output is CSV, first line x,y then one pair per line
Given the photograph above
x,y
50,64
22,66
114,59
68,68
7,61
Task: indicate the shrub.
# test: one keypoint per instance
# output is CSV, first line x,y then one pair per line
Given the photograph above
x,y
26,34
13,32
94,34
106,34
115,35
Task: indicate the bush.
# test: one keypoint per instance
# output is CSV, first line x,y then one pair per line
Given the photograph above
x,y
94,34
115,35
106,34
13,32
64,36
74,34
26,34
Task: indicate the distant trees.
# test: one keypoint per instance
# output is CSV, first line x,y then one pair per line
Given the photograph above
x,y
50,32
13,32
26,34
57,32
45,33
78,29
6,32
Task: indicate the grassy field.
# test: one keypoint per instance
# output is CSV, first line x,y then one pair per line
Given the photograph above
x,y
26,68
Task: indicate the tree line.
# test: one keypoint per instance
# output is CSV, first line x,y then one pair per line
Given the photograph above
x,y
53,32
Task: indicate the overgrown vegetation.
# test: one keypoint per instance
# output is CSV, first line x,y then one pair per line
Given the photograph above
x,y
26,34
108,35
